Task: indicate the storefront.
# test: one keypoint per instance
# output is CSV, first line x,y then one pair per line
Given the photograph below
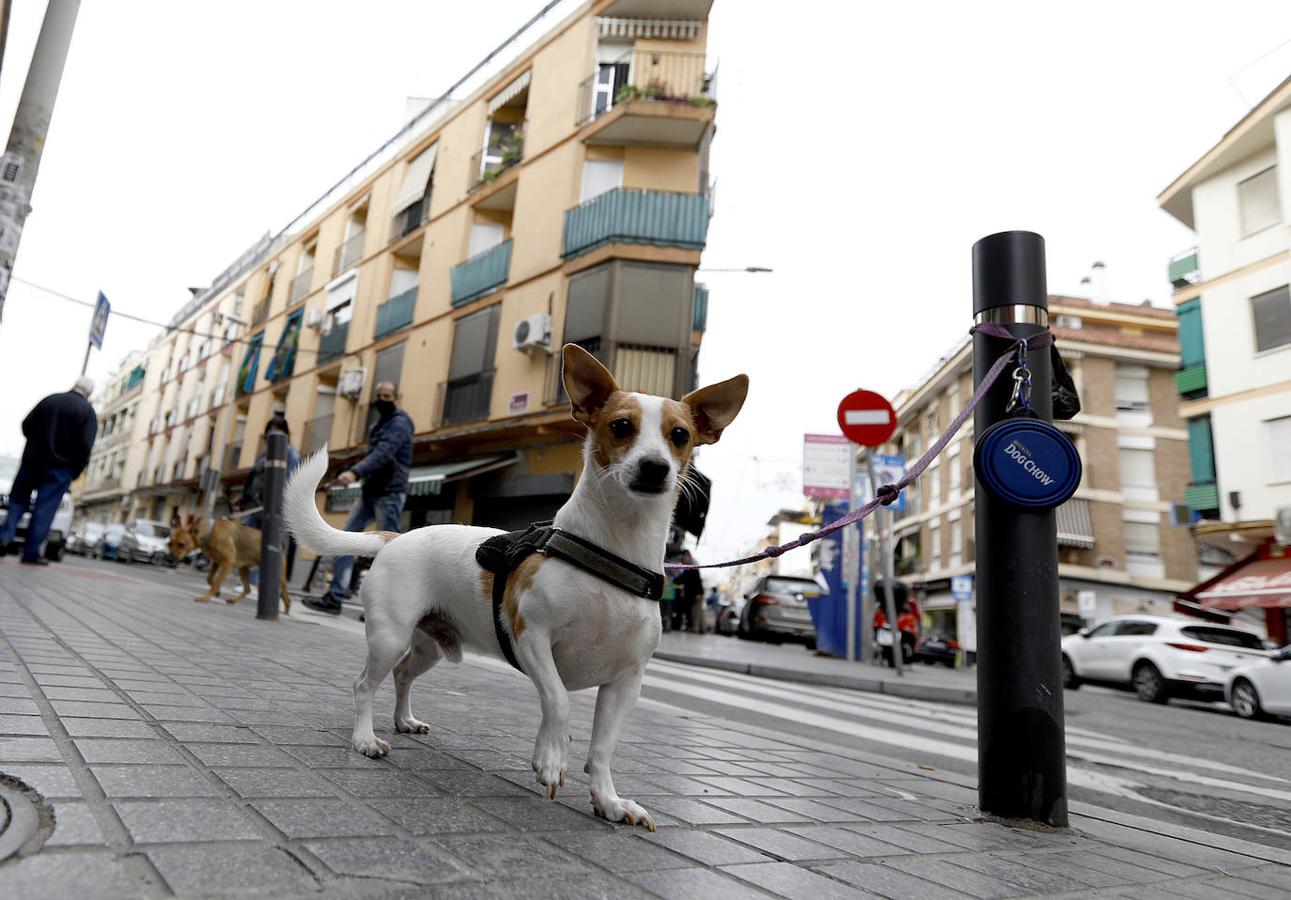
x,y
1257,588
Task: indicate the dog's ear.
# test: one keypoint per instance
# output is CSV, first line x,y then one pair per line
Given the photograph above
x,y
588,383
716,406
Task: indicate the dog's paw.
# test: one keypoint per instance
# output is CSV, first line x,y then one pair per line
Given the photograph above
x,y
231,600
201,599
616,809
411,726
372,746
549,759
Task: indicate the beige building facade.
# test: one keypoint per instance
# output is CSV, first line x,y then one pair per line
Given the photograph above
x,y
1124,545
565,199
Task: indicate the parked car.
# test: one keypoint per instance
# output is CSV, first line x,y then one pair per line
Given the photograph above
x,y
1262,688
776,610
936,648
111,543
1160,657
56,542
728,616
145,541
87,540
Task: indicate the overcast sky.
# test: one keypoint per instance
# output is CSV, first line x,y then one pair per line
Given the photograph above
x,y
861,149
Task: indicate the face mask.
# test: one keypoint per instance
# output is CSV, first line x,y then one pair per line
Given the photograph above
x,y
384,408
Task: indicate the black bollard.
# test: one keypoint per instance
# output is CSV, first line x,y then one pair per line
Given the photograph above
x,y
1021,747
271,537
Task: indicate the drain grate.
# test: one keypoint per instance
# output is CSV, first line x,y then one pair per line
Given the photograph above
x,y
20,816
1236,810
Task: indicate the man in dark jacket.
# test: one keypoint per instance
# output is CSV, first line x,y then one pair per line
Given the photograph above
x,y
60,433
384,476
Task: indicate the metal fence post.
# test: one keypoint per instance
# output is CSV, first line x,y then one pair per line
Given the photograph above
x,y
271,542
1021,745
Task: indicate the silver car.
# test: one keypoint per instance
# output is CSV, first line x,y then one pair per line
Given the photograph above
x,y
776,610
145,541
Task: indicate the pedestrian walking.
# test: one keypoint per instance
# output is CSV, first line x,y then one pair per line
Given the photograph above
x,y
252,497
60,432
384,476
692,589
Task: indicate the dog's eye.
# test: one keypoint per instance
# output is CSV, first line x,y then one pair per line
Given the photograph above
x,y
622,428
680,436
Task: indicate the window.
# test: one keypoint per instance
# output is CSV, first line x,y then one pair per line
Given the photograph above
x,y
935,486
1132,388
1272,314
1257,198
1227,637
1135,629
935,541
468,391
1143,549
1107,629
1279,439
1138,474
412,204
956,543
284,355
250,366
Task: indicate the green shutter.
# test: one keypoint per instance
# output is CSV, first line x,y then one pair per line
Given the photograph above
x,y
1192,345
1201,451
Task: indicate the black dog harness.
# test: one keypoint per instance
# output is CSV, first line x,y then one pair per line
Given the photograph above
x,y
501,554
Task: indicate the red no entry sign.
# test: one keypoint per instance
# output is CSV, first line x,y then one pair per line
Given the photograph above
x,y
866,418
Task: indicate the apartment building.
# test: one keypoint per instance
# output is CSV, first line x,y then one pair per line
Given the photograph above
x,y
1123,545
1233,300
117,401
565,198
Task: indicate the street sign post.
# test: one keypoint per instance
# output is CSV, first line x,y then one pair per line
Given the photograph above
x,y
825,465
98,325
868,419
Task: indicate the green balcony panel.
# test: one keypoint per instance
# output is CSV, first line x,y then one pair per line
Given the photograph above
x,y
1191,380
1201,451
1202,497
701,308
481,273
1192,343
332,344
1184,270
395,313
637,217
136,376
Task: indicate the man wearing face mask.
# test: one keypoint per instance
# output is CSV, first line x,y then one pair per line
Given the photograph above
x,y
384,476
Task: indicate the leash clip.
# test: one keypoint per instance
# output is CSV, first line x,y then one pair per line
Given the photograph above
x,y
1020,399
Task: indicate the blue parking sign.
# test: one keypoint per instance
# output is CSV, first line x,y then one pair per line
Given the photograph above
x,y
99,323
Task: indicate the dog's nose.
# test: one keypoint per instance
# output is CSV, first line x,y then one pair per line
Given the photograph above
x,y
652,472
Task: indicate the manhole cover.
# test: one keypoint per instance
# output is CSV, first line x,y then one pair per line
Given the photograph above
x,y
1236,810
19,816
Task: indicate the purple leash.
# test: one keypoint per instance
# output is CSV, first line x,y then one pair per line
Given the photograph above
x,y
888,493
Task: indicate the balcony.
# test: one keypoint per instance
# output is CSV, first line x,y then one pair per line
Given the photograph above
x,y
700,314
332,344
318,431
1184,269
348,253
411,218
633,216
482,273
301,284
1202,497
395,314
1191,382
649,97
466,399
488,165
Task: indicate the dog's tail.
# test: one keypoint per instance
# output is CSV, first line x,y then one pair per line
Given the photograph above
x,y
300,510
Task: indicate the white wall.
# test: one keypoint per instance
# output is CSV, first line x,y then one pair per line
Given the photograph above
x,y
1219,221
1242,456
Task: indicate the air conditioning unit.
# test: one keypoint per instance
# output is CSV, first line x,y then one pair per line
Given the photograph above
x,y
314,318
1180,515
350,385
532,333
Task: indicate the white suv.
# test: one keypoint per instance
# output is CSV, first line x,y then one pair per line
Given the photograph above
x,y
1159,656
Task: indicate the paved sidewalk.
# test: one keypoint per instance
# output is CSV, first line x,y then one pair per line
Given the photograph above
x,y
793,662
190,750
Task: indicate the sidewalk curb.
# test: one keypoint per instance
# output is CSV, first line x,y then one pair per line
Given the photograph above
x,y
893,688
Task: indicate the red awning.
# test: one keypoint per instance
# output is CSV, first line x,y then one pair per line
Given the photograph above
x,y
1252,583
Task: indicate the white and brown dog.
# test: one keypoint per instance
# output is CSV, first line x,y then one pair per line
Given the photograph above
x,y
426,598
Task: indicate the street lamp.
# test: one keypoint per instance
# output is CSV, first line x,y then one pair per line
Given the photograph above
x,y
211,477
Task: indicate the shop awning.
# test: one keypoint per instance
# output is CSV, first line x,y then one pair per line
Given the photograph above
x,y
424,480
1075,528
1260,581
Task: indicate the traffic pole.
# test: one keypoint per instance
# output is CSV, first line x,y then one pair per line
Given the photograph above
x,y
885,556
30,125
1021,746
275,477
852,545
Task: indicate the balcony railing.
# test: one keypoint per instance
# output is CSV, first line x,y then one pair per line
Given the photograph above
x,y
395,313
466,399
301,284
348,253
635,216
332,344
489,164
1202,497
481,273
654,76
1191,380
1185,269
411,218
318,431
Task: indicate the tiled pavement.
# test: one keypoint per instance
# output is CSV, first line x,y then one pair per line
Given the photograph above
x,y
190,750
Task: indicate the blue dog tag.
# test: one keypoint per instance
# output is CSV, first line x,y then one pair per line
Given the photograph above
x,y
1027,462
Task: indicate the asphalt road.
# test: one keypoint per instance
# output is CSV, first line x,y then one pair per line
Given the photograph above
x,y
1194,764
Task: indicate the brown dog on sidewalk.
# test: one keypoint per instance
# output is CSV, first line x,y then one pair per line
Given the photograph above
x,y
229,545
